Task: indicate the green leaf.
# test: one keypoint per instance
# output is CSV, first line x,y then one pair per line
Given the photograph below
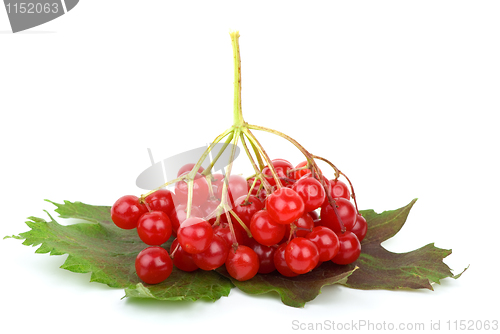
x,y
376,267
108,252
380,269
99,247
294,291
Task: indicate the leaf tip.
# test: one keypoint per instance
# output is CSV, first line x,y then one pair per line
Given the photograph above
x,y
460,274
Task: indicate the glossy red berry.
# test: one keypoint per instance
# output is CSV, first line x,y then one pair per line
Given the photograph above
x,y
265,230
285,206
346,212
161,200
282,167
214,256
301,255
178,216
303,226
360,228
126,211
300,173
153,265
349,250
209,209
200,190
311,191
266,257
195,235
223,230
339,189
326,241
242,264
182,260
280,262
237,188
245,209
154,228
187,168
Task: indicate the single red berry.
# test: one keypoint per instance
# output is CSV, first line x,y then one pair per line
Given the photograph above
x,y
153,265
282,167
311,191
285,206
161,200
242,264
195,235
217,181
224,231
360,228
188,168
301,255
178,216
265,230
209,209
126,211
214,256
246,209
303,226
200,190
326,241
339,189
300,173
349,250
154,228
346,212
237,186
182,259
280,262
266,257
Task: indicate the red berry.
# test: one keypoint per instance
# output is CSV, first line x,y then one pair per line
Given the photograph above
x,y
209,209
360,228
326,241
187,168
280,262
242,264
178,216
126,212
214,256
237,188
300,173
282,167
301,255
195,235
285,206
161,200
153,265
303,225
224,231
266,257
154,228
182,259
265,230
200,190
246,209
346,213
339,189
349,250
311,191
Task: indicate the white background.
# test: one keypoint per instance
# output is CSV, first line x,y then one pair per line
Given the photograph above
x,y
401,95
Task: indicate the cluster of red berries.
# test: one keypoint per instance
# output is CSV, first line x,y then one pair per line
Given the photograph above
x,y
272,227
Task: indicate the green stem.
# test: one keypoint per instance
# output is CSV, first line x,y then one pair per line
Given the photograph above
x,y
254,140
238,115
